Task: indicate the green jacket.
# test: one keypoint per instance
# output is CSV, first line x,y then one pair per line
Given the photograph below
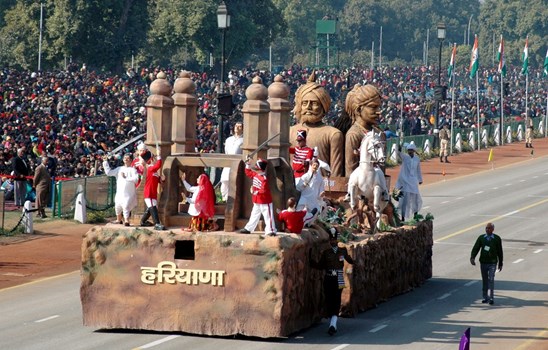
x,y
491,249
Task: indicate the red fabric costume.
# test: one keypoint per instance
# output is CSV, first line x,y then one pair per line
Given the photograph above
x,y
152,180
301,155
261,191
294,220
205,198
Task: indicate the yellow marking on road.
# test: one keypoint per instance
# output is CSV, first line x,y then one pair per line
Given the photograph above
x,y
491,220
39,280
538,338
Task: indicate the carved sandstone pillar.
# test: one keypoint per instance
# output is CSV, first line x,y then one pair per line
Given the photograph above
x,y
278,122
255,110
184,115
159,110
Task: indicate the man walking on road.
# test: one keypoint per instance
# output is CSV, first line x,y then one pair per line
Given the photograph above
x,y
491,253
409,179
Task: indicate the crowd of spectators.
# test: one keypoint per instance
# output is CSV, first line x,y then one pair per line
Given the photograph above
x,y
77,115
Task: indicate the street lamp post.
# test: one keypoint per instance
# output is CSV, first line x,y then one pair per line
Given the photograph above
x,y
439,88
223,23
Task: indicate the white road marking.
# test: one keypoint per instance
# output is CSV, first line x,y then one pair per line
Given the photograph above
x,y
479,192
445,202
459,198
495,188
468,284
426,207
158,342
342,346
518,261
535,177
537,251
522,180
446,295
378,328
511,213
46,319
407,314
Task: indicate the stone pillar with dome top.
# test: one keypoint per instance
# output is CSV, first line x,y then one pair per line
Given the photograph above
x,y
255,110
278,122
184,115
159,115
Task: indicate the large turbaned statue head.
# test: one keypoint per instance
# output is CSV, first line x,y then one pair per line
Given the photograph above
x,y
312,102
362,105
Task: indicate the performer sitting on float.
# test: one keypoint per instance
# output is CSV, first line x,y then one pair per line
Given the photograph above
x,y
201,203
292,218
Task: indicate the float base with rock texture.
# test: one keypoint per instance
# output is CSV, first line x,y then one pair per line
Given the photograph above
x,y
225,283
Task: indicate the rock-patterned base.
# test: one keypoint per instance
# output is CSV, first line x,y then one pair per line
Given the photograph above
x,y
165,281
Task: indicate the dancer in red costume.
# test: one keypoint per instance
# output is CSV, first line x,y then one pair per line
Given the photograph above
x,y
201,203
151,192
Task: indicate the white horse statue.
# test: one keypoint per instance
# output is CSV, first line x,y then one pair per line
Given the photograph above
x,y
368,179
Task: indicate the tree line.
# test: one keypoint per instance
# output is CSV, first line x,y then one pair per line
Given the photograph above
x,y
109,35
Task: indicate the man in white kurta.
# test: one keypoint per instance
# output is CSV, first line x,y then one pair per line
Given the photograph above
x,y
233,145
311,185
409,179
126,195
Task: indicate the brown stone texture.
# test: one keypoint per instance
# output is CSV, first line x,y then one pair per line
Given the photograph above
x,y
269,288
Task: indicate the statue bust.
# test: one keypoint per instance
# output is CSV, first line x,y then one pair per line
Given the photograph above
x,y
362,105
312,102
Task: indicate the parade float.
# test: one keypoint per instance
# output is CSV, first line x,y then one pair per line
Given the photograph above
x,y
224,282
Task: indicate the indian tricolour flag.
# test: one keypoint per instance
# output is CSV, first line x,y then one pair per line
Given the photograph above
x,y
546,64
474,60
451,69
501,58
525,68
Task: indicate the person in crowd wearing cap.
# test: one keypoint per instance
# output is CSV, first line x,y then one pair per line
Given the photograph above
x,y
292,218
491,253
445,137
312,186
529,133
261,198
42,183
302,155
409,179
20,172
312,102
125,199
363,106
332,261
201,203
233,145
8,187
150,193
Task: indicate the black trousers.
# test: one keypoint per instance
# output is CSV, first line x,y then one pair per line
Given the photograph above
x,y
332,295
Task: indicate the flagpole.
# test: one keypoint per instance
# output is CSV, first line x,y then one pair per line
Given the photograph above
x,y
501,108
477,109
526,98
546,116
452,113
401,120
452,86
